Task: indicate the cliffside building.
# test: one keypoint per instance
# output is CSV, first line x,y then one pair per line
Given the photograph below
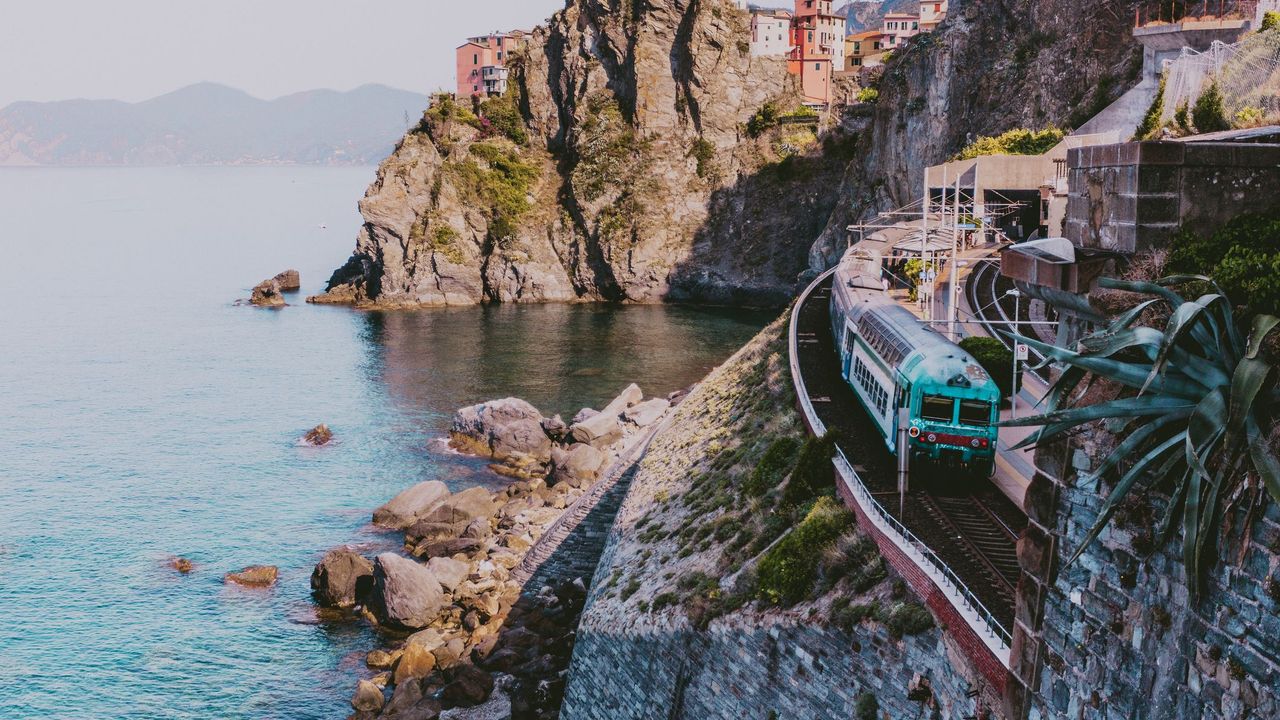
x,y
770,32
817,39
932,13
482,63
863,50
897,28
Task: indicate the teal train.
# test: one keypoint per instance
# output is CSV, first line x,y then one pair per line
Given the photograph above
x,y
892,360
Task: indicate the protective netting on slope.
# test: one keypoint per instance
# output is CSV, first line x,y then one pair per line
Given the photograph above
x,y
1247,73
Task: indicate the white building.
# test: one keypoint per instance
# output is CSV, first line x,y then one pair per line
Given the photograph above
x,y
770,32
932,12
897,28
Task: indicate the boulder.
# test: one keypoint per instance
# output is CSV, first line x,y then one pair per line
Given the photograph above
x,y
508,430
424,531
462,508
579,464
583,415
379,660
181,564
408,702
600,431
447,548
415,663
629,397
555,428
267,294
405,594
404,509
343,578
368,697
449,654
449,572
254,576
646,413
318,436
468,685
288,281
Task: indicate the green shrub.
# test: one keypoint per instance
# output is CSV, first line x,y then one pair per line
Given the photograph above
x,y
608,149
1014,142
1150,125
1242,256
868,95
772,467
853,557
813,474
907,618
1209,113
847,616
995,358
1270,21
704,153
1182,118
630,589
786,572
1250,116
501,187
763,119
665,600
868,708
500,116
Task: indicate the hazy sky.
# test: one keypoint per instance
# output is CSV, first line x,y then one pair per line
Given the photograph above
x,y
136,49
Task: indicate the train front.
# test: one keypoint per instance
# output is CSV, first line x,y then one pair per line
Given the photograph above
x,y
954,409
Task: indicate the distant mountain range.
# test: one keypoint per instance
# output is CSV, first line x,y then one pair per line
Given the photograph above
x,y
862,15
210,124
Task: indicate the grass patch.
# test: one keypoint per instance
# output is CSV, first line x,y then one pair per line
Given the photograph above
x,y
786,573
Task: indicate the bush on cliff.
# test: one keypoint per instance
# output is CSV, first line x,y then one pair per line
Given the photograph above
x,y
1014,142
1149,128
499,115
813,474
501,187
1243,257
1209,113
772,468
786,573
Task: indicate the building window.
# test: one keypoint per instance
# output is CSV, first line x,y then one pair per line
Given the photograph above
x,y
475,88
475,59
915,26
817,66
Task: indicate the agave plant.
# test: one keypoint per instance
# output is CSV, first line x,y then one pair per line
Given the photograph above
x,y
1197,402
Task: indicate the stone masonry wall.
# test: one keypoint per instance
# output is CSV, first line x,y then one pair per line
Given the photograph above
x,y
1115,635
1134,197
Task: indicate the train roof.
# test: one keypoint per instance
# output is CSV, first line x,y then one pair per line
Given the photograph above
x,y
915,349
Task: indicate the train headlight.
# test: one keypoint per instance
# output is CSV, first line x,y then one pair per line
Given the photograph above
x,y
975,442
931,438
914,431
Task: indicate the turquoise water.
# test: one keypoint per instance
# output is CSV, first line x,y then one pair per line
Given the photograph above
x,y
144,416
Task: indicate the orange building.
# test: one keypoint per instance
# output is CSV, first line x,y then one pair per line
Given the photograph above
x,y
817,48
482,63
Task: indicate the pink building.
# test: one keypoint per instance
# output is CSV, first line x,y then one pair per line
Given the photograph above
x,y
482,63
898,27
817,48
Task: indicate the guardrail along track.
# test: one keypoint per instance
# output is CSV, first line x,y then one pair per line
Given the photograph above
x,y
967,533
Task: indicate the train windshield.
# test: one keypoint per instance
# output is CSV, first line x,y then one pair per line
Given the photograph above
x,y
937,408
975,412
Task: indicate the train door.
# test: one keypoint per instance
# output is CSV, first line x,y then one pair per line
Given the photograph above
x,y
846,352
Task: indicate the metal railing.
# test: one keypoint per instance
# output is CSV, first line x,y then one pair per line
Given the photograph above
x,y
976,614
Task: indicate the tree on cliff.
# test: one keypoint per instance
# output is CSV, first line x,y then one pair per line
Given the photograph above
x,y
1210,113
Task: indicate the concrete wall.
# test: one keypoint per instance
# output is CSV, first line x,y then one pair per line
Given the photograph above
x,y
1134,197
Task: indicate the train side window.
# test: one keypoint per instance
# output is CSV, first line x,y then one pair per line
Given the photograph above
x,y
937,408
975,412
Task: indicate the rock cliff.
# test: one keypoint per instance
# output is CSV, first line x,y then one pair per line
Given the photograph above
x,y
643,155
623,165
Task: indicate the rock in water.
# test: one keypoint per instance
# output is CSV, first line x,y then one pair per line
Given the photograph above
x,y
288,281
254,576
267,294
461,508
405,594
368,697
318,436
405,509
342,579
508,430
181,564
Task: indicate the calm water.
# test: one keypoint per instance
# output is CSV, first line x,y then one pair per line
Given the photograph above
x,y
143,416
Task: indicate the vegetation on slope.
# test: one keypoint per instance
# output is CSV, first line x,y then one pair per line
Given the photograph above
x,y
1014,142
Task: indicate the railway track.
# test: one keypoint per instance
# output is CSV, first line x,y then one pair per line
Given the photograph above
x,y
991,307
973,529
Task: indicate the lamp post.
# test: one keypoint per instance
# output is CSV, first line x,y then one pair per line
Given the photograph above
x,y
1017,314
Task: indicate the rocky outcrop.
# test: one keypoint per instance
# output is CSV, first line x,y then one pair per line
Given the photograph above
x,y
267,294
342,579
619,169
318,436
404,509
288,281
511,431
257,576
405,594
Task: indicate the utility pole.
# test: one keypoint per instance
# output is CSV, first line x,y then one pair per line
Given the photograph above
x,y
1017,314
924,236
904,458
955,267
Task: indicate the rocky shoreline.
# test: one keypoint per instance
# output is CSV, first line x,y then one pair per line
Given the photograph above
x,y
463,636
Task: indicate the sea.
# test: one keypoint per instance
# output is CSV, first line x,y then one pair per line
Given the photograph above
x,y
144,415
